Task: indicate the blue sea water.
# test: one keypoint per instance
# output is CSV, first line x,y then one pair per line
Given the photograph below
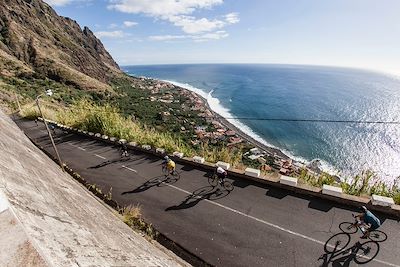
x,y
240,92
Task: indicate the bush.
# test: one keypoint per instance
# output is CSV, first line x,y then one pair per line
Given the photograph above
x,y
360,184
132,216
315,180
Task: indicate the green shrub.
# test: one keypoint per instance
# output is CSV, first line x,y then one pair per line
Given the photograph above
x,y
360,184
315,180
396,197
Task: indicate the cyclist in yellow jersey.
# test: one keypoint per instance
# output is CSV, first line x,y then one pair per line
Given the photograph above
x,y
169,163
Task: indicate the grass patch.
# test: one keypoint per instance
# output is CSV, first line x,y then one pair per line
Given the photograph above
x,y
315,180
106,119
132,216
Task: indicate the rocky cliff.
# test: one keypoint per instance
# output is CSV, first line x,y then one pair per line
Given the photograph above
x,y
34,40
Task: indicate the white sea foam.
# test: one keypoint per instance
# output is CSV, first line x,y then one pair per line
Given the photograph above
x,y
224,112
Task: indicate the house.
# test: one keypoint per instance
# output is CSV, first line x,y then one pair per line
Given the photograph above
x,y
255,151
230,133
235,140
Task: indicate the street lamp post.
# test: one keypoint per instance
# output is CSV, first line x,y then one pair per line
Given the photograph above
x,y
49,93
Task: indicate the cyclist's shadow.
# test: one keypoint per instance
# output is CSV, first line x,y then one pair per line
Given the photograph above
x,y
156,181
360,253
207,192
338,253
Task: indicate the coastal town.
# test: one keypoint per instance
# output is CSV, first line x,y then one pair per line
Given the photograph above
x,y
201,125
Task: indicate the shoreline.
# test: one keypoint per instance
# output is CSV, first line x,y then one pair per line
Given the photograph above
x,y
271,150
274,152
280,158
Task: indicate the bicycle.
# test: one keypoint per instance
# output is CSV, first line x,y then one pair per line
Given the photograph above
x,y
215,180
124,153
352,228
167,173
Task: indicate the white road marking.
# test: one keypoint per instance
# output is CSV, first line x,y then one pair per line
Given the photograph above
x,y
132,170
72,144
78,147
99,156
273,225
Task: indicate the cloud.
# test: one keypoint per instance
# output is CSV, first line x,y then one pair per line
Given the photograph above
x,y
177,12
130,23
58,2
197,37
192,25
161,8
210,36
112,26
110,34
232,18
66,2
167,37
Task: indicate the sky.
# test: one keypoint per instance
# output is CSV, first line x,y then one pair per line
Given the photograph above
x,y
352,33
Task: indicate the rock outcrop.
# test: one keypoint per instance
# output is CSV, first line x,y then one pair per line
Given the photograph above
x,y
40,42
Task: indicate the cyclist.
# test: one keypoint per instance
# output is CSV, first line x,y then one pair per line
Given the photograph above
x,y
53,129
369,219
169,164
221,173
124,150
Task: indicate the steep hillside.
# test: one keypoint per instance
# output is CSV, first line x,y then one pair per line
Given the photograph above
x,y
36,42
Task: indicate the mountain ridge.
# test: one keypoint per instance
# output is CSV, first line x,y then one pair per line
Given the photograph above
x,y
40,43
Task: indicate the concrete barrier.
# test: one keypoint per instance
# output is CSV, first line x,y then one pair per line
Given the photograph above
x,y
113,139
198,159
288,180
178,154
85,132
252,172
91,134
223,165
122,141
332,190
105,137
146,147
132,144
160,150
98,135
382,201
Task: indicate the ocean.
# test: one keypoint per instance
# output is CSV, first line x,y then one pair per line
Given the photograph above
x,y
303,110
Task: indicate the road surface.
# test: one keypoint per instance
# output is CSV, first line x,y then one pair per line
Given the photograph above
x,y
254,225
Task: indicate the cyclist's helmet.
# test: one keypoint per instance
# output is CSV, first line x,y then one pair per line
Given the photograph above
x,y
166,158
363,209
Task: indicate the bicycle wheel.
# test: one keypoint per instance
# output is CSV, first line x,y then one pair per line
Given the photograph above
x,y
164,170
337,243
228,186
348,227
377,236
213,180
176,175
366,252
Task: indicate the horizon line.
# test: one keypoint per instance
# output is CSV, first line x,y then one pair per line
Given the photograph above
x,y
396,73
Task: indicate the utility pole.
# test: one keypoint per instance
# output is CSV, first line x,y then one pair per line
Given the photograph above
x,y
49,93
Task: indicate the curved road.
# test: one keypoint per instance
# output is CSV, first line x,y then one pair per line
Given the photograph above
x,y
254,225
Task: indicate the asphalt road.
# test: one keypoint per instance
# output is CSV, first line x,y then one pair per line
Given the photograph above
x,y
254,225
